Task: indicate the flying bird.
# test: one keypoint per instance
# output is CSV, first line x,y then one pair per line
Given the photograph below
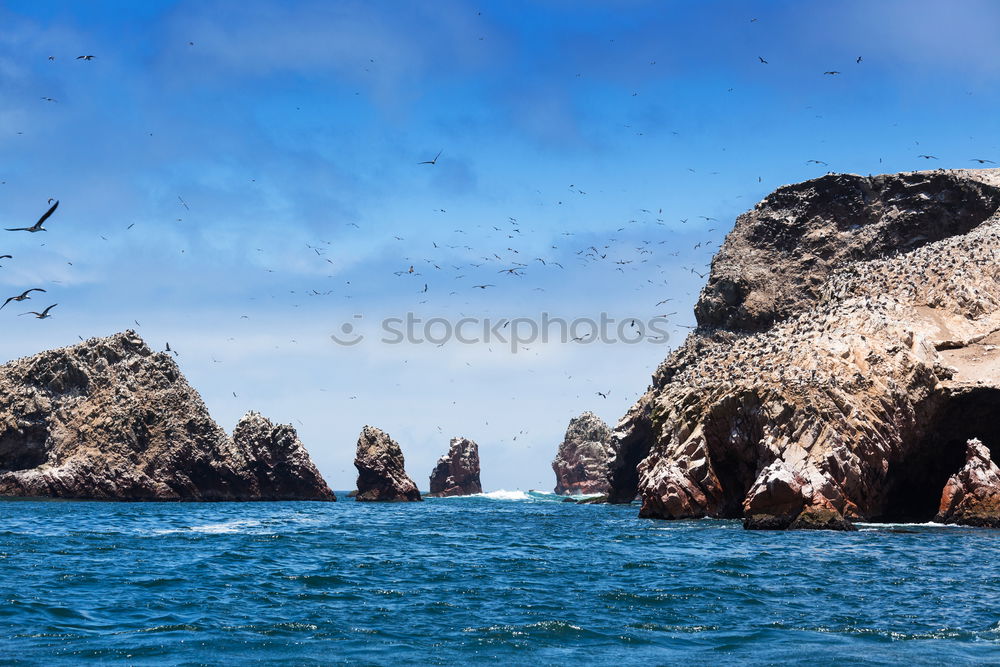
x,y
44,315
37,227
21,297
434,161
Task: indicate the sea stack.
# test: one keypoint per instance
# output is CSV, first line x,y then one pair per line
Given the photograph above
x,y
457,472
582,462
972,496
847,348
381,469
111,419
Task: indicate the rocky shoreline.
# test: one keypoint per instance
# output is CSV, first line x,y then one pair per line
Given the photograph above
x,y
109,419
844,368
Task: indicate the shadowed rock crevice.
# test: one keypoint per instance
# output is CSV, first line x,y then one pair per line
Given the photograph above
x,y
914,482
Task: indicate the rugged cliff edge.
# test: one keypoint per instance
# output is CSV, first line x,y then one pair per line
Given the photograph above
x,y
457,472
847,349
110,419
581,464
382,469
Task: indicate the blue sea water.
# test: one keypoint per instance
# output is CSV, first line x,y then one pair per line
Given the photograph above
x,y
515,579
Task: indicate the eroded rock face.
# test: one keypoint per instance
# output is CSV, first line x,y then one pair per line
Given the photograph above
x,y
277,463
847,349
110,419
972,496
381,469
457,472
582,462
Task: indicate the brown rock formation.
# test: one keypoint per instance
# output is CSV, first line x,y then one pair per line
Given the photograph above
x,y
111,419
457,472
846,350
581,464
381,469
972,496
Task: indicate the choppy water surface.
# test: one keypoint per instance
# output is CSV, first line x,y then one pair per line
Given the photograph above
x,y
516,578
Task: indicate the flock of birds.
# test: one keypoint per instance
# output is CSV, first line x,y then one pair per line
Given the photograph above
x,y
25,295
510,249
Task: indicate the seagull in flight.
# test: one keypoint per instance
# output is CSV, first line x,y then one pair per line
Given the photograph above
x,y
37,227
21,297
44,315
434,161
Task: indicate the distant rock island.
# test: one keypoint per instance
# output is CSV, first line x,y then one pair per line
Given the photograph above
x,y
848,347
457,472
111,419
582,462
382,469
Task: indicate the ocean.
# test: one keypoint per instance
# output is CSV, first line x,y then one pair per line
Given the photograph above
x,y
509,577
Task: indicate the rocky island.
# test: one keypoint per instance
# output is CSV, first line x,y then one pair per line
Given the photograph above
x,y
111,419
382,469
847,349
582,462
457,472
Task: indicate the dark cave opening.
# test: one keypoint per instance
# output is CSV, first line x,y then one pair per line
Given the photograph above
x,y
732,436
21,449
916,482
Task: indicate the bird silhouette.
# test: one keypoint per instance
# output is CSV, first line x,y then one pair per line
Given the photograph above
x,y
434,161
37,227
21,297
44,315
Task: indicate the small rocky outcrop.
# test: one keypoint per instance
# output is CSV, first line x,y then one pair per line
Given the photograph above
x,y
972,496
381,469
582,462
848,345
457,472
111,419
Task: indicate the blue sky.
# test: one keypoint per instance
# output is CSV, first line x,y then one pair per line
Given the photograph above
x,y
292,133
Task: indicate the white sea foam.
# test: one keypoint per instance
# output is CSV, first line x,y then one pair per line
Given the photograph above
x,y
234,526
504,494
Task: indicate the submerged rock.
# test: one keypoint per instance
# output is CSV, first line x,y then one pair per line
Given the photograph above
x,y
457,472
847,348
972,496
582,462
381,469
111,419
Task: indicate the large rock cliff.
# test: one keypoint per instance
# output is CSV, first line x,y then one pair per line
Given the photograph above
x,y
581,464
111,419
457,472
846,351
382,469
